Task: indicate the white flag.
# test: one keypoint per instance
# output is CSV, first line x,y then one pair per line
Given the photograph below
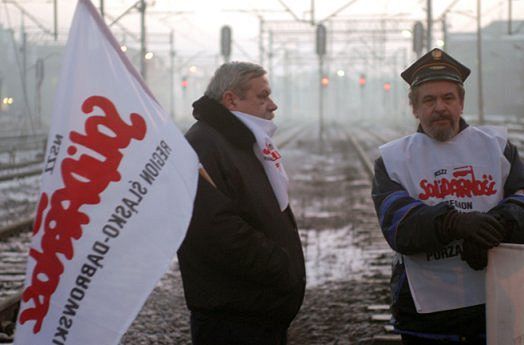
x,y
505,295
116,198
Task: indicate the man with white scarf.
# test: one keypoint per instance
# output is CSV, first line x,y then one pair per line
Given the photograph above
x,y
241,261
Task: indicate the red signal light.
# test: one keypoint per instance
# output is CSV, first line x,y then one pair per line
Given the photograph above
x,y
362,80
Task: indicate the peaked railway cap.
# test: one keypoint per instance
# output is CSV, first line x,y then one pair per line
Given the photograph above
x,y
435,65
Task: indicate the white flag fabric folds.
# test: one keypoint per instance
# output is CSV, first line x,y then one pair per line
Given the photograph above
x,y
117,195
505,295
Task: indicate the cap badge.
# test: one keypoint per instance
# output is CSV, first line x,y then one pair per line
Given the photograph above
x,y
436,54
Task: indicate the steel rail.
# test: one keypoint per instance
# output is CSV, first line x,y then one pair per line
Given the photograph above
x,y
14,176
15,228
366,162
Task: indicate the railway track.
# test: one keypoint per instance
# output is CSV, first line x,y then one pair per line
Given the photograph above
x,y
376,249
23,160
14,244
28,170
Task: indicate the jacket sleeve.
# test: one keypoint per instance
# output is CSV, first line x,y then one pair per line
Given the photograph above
x,y
409,226
223,240
511,209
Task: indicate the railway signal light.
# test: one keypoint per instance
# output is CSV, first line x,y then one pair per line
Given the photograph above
x,y
184,83
324,81
387,86
362,80
418,38
321,40
225,42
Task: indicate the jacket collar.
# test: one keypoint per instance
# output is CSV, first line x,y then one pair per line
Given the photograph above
x,y
222,120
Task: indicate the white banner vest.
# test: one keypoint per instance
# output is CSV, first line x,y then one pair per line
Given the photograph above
x,y
117,195
468,172
505,295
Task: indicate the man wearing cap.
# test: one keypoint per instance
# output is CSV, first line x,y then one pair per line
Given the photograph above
x,y
444,196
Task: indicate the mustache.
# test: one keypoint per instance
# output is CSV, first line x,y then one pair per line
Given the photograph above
x,y
440,117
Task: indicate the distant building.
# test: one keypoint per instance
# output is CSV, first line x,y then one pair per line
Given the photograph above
x,y
502,66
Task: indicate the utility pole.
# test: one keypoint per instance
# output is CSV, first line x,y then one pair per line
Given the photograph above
x,y
287,104
270,58
261,41
479,65
444,31
55,15
23,48
102,8
23,72
143,67
320,97
444,20
429,42
509,18
312,12
39,79
172,74
321,37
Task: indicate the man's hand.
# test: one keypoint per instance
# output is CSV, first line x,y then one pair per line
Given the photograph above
x,y
504,215
482,229
475,256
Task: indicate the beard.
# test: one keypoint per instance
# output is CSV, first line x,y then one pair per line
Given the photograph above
x,y
441,133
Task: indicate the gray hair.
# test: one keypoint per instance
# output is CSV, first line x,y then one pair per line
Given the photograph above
x,y
233,76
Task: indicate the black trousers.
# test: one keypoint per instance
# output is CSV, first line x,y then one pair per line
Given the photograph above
x,y
216,330
411,340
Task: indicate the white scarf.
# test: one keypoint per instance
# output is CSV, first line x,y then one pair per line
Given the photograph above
x,y
267,153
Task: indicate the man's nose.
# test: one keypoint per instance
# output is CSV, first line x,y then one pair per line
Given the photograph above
x,y
272,105
440,105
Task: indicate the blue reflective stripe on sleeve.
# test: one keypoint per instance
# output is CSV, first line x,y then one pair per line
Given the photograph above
x,y
397,217
388,201
515,197
449,337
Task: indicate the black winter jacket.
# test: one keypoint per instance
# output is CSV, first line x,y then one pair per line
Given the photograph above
x,y
242,257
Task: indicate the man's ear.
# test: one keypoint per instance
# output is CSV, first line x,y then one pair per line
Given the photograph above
x,y
414,111
229,100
